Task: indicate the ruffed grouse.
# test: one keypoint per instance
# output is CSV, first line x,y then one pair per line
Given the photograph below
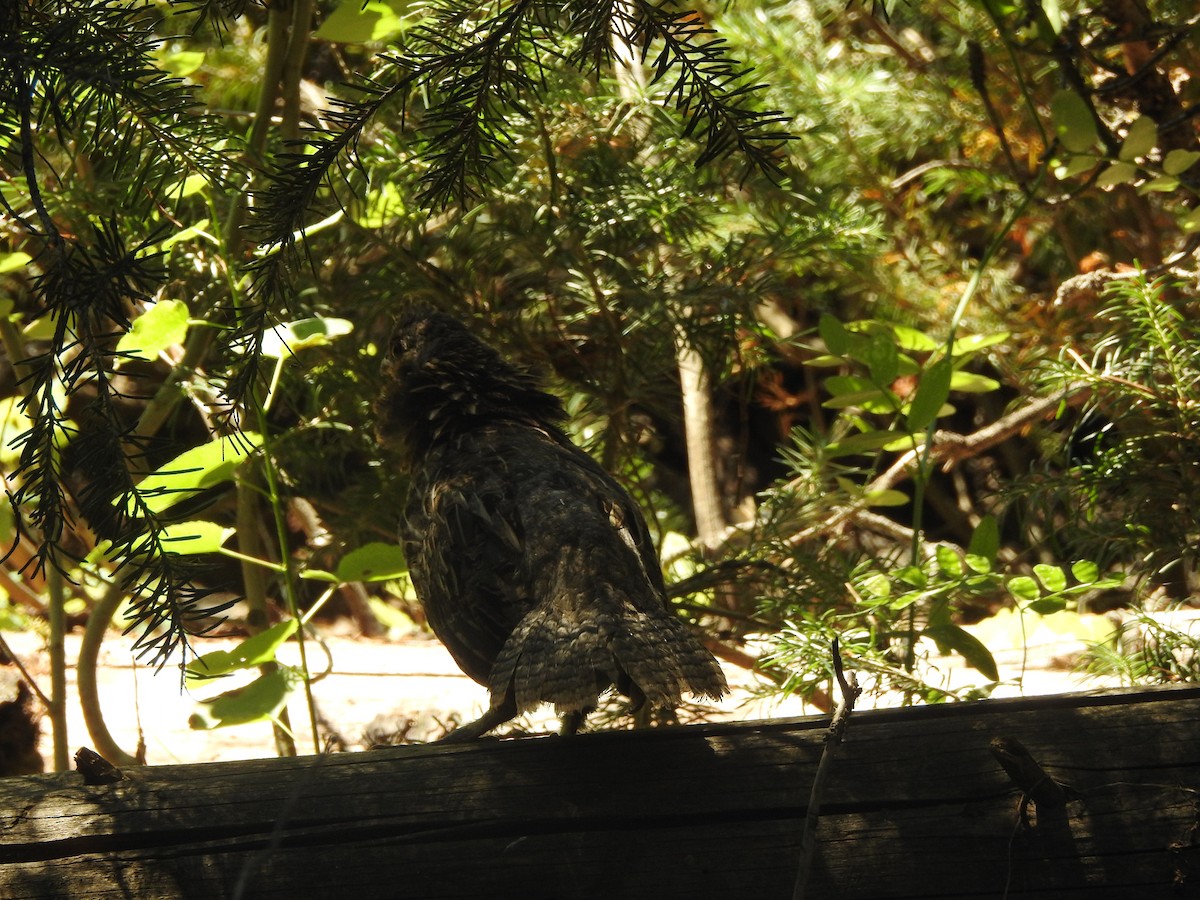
x,y
534,566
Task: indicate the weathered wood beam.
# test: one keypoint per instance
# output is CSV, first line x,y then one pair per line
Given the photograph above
x,y
918,806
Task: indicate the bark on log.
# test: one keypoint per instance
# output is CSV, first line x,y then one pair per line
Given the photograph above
x,y
917,806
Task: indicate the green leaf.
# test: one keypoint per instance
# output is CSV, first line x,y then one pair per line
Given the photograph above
x,y
1118,173
319,575
1072,121
916,341
182,63
380,207
834,334
1053,577
876,587
254,651
932,392
970,383
948,561
888,497
1139,140
356,23
163,324
187,538
1085,571
1053,15
905,443
1024,588
973,343
860,443
1074,165
848,384
1190,223
985,539
289,338
376,561
193,471
979,563
10,262
260,700
912,576
1048,606
1179,161
882,359
875,400
193,184
826,361
186,234
1163,184
966,645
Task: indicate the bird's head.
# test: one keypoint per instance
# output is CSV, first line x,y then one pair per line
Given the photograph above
x,y
439,380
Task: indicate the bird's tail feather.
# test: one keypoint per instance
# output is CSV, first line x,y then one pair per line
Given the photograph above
x,y
560,656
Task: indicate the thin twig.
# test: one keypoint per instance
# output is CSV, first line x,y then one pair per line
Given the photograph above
x,y
833,739
948,447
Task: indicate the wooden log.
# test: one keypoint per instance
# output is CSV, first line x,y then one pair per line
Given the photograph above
x,y
918,806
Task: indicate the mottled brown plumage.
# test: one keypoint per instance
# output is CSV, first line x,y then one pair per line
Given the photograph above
x,y
534,566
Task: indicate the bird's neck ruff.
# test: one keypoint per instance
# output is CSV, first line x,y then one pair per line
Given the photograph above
x,y
444,399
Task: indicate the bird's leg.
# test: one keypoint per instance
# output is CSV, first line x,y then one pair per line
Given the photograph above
x,y
571,722
496,715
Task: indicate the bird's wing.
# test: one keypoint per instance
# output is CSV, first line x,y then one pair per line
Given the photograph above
x,y
464,549
624,517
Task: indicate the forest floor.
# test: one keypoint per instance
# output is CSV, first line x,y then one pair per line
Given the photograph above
x,y
379,686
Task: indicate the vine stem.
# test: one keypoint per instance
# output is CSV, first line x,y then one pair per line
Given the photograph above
x,y
57,621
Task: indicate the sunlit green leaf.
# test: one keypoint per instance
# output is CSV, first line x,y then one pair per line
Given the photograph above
x,y
876,587
970,383
194,470
375,561
354,22
1024,588
254,651
948,561
380,207
261,700
292,337
889,497
182,63
1190,223
186,538
1085,571
1053,577
826,361
163,324
979,564
186,234
916,341
973,343
10,262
